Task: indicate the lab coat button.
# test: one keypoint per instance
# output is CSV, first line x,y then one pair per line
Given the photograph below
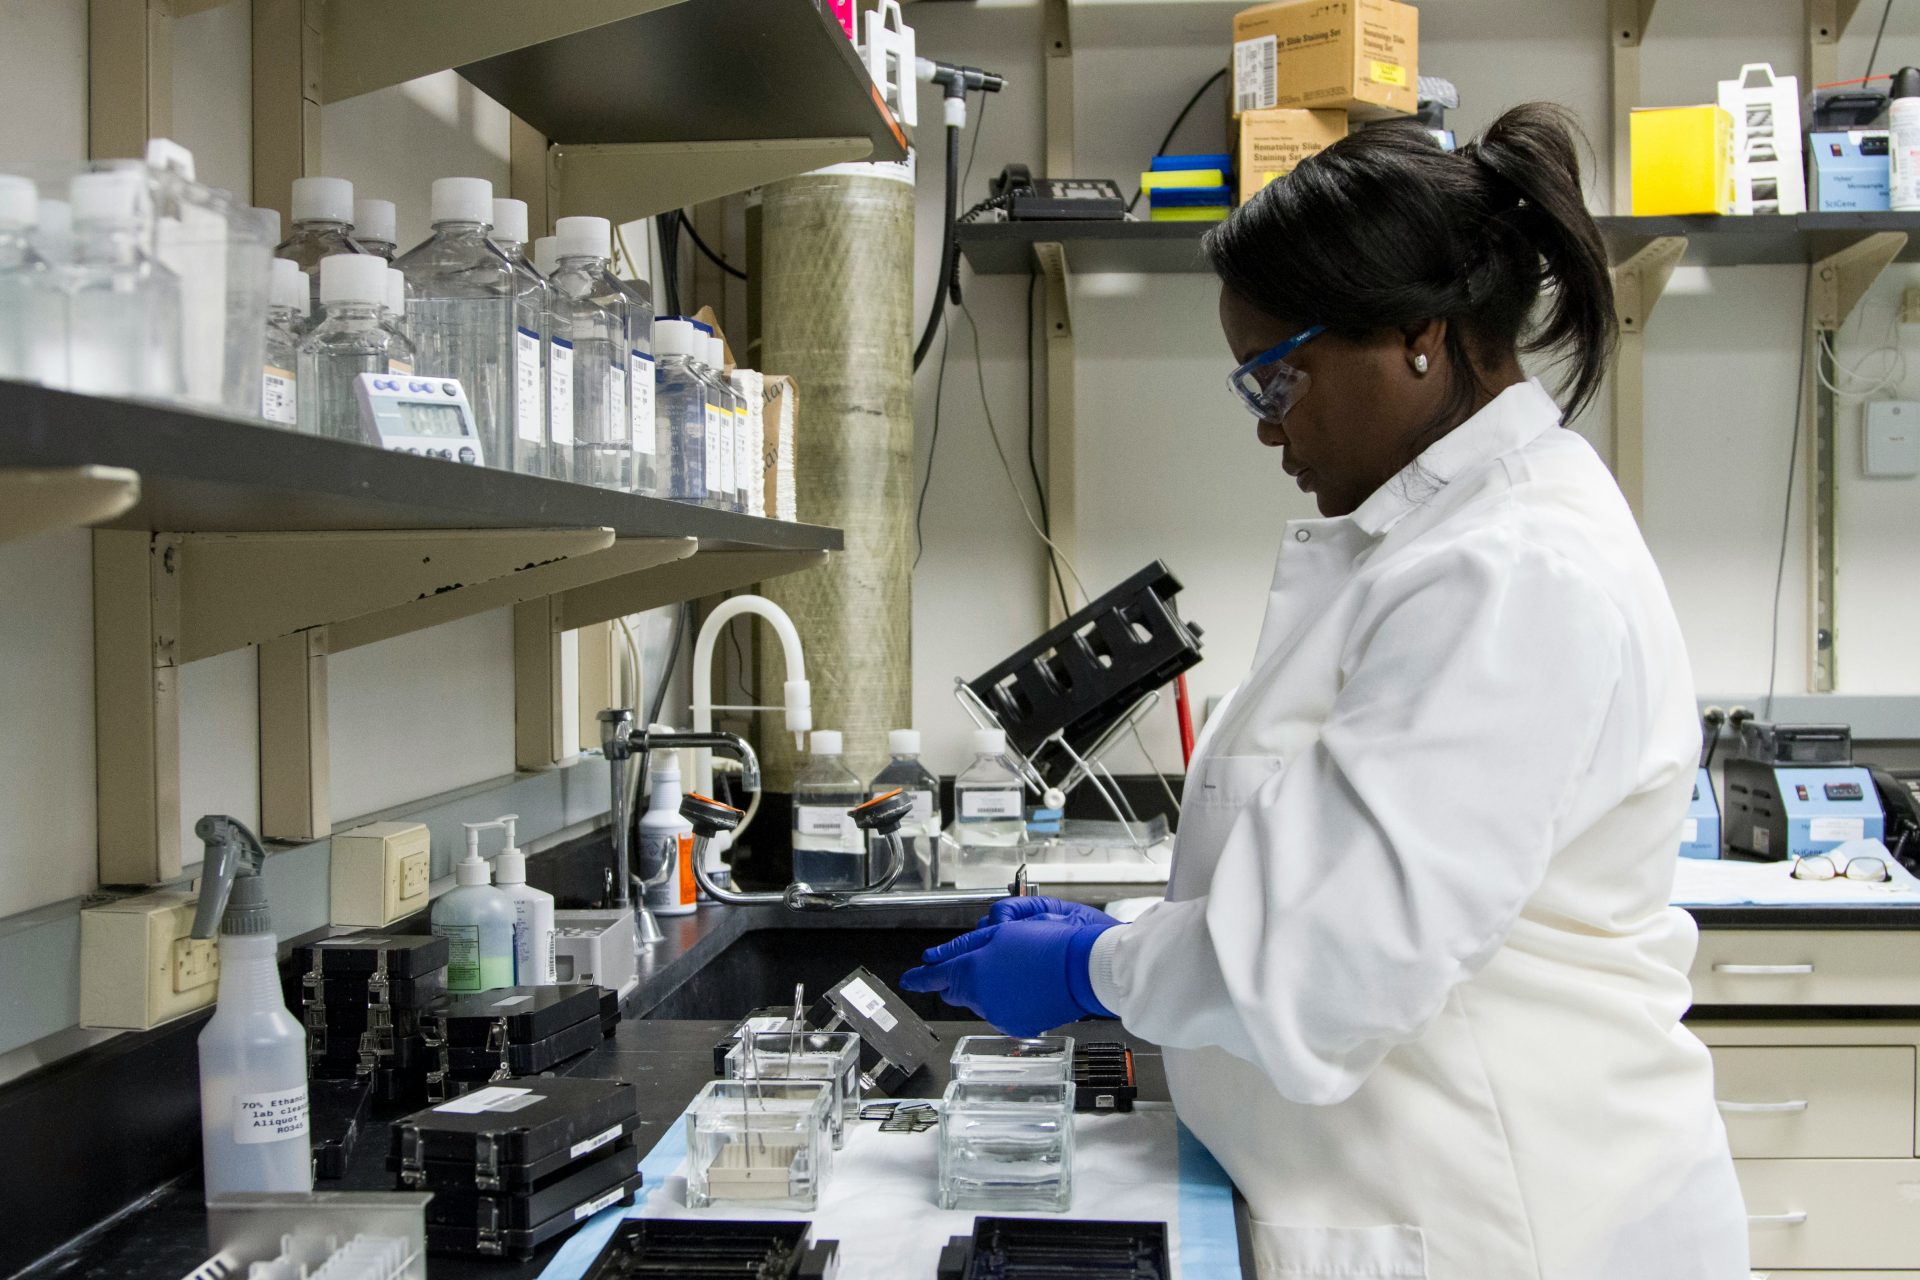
x,y
1301,535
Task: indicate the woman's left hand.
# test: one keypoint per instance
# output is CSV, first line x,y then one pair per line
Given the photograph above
x,y
1023,976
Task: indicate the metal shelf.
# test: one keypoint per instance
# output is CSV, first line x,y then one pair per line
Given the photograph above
x,y
1152,248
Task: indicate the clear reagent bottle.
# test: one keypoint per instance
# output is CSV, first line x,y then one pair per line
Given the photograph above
x,y
373,228
920,833
322,227
989,796
720,480
533,447
680,411
32,311
533,944
590,313
828,849
352,338
123,306
286,317
477,920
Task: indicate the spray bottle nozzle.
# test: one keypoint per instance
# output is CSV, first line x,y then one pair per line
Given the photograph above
x,y
233,897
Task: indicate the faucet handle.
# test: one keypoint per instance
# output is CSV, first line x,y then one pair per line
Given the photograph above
x,y
709,816
884,813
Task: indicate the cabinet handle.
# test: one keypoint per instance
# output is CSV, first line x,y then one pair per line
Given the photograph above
x,y
1761,1108
1763,970
1792,1219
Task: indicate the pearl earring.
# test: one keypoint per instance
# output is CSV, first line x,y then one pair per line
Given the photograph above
x,y
1420,363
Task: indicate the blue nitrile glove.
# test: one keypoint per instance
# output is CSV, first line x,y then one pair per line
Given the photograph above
x,y
1024,976
1047,908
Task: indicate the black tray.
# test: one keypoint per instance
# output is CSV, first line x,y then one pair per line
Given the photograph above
x,y
552,1114
510,1243
645,1247
1103,1077
416,992
531,1013
439,1175
1007,1248
469,1062
522,1210
408,955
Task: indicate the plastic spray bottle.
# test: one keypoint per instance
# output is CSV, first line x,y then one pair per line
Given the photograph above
x,y
253,1053
476,919
533,959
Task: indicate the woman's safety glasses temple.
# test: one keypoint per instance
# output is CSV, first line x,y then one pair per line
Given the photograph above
x,y
1266,386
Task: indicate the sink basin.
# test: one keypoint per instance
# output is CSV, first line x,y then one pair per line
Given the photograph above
x,y
759,969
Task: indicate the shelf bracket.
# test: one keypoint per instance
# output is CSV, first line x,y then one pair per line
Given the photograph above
x,y
136,710
34,499
1826,22
1637,285
707,573
287,62
1842,278
1063,507
1056,37
1629,19
629,181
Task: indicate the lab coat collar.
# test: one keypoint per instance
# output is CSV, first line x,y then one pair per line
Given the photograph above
x,y
1509,421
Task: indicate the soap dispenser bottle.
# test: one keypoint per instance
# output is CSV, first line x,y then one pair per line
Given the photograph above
x,y
253,1053
476,919
533,961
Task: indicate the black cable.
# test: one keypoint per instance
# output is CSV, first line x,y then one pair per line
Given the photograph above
x,y
933,443
1786,515
1874,56
1174,128
669,232
947,244
1033,467
686,224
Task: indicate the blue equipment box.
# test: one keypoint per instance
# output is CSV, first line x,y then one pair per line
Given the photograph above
x,y
1847,171
1784,811
1700,834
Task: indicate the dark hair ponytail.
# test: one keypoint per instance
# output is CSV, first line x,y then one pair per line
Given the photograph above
x,y
1383,230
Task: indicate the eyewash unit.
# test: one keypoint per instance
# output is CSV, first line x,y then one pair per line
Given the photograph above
x,y
1794,791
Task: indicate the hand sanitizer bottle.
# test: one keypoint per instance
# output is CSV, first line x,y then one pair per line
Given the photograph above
x,y
477,921
533,958
253,1053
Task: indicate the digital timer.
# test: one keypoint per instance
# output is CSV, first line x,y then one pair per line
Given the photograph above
x,y
429,417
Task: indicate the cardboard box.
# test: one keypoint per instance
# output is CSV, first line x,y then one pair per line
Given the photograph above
x,y
1357,56
1272,142
1847,171
1682,160
781,419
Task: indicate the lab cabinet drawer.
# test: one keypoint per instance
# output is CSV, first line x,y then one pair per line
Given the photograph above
x,y
1832,1214
1801,1103
1789,967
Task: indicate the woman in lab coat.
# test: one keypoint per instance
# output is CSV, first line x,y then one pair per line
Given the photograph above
x,y
1416,976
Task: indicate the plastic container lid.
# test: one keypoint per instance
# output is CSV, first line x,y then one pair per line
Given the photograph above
x,y
353,277
904,742
113,196
269,220
468,871
544,257
461,200
990,742
510,221
582,237
665,766
716,353
828,742
322,200
374,220
672,337
19,201
290,285
396,291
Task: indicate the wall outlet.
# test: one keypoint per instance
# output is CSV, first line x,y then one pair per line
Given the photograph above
x,y
1892,438
380,872
138,965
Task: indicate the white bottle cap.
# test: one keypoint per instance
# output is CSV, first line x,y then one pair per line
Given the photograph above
x,y
665,766
510,221
353,277
113,196
56,217
461,200
269,220
322,200
582,237
396,291
544,257
510,867
716,353
290,287
990,742
19,201
374,220
904,742
672,338
827,742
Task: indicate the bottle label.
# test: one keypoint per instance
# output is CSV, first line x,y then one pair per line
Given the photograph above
x,y
640,383
526,384
619,415
273,1116
824,820
983,805
276,395
742,450
715,433
728,481
463,955
655,848
922,816
560,390
399,366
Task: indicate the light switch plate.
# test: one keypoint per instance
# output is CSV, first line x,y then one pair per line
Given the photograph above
x,y
380,873
1892,438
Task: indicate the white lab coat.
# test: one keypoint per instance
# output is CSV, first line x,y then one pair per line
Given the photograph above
x,y
1416,975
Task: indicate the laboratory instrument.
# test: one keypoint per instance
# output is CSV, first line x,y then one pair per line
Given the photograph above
x,y
598,945
286,318
1700,829
123,305
591,312
348,340
1006,1145
32,317
895,1043
460,310
680,412
322,227
477,921
920,833
1793,791
253,1066
362,998
326,1235
799,1054
764,1142
532,914
1004,1247
829,852
456,1212
1103,1078
643,1247
531,304
425,416
373,228
666,844
1013,1058
1900,799
516,1031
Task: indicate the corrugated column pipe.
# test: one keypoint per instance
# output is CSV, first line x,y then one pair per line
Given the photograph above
x,y
836,314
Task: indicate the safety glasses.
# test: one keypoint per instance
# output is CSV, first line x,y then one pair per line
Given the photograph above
x,y
1819,866
1268,387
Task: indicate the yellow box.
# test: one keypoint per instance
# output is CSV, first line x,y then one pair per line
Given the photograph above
x,y
1271,143
1682,160
1182,179
1358,56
